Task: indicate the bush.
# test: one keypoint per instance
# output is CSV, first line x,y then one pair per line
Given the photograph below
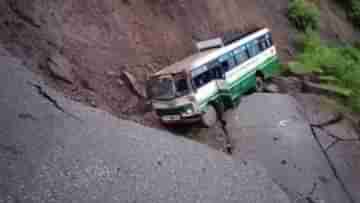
x,y
354,12
340,63
352,8
304,15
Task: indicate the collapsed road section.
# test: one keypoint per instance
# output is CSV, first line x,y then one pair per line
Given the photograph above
x,y
274,129
48,156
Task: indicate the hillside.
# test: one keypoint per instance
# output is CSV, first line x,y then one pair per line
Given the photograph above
x,y
81,47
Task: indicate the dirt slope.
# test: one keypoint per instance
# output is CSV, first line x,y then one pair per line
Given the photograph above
x,y
82,46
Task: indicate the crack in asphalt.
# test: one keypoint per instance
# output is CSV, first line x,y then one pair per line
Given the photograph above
x,y
27,116
12,149
229,146
331,145
356,126
7,196
321,126
313,190
309,197
331,165
338,117
53,101
339,139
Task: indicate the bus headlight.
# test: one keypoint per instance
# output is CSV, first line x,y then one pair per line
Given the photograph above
x,y
188,112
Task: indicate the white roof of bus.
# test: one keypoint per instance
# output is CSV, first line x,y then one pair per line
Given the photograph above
x,y
219,52
184,64
196,60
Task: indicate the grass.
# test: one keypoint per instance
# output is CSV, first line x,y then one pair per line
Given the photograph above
x,y
337,89
338,66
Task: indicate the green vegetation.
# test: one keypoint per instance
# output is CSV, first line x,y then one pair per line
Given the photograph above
x,y
303,14
338,67
353,10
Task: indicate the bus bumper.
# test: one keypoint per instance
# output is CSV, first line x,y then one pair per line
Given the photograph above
x,y
180,120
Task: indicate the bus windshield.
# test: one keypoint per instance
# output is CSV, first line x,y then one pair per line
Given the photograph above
x,y
162,88
166,88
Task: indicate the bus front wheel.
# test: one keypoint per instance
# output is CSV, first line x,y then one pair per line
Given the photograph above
x,y
260,84
210,117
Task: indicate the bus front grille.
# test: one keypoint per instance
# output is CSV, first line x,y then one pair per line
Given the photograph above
x,y
172,111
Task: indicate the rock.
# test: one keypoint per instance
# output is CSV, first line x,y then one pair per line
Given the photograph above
x,y
288,84
152,67
86,84
93,103
272,88
120,82
136,87
290,51
324,179
325,89
111,73
60,68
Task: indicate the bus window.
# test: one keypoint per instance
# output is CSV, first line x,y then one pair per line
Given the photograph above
x,y
241,55
269,40
254,48
263,44
217,72
203,79
231,61
216,69
227,62
225,66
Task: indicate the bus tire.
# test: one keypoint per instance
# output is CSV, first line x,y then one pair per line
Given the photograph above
x,y
260,84
220,110
210,117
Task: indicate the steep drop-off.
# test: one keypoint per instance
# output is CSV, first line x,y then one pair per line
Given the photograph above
x,y
82,46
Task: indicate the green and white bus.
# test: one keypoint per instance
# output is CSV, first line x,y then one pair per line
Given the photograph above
x,y
203,85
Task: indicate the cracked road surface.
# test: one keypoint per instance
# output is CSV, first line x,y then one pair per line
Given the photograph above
x,y
48,156
276,130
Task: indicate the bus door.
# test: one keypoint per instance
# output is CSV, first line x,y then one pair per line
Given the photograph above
x,y
225,63
217,74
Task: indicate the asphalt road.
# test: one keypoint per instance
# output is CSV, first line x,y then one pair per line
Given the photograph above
x,y
55,150
275,130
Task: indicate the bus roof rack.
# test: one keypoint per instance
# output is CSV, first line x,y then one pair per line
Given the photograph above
x,y
228,38
209,44
233,36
